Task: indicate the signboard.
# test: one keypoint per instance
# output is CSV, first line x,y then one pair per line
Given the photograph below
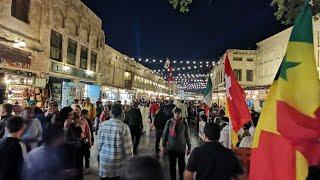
x,y
17,72
80,73
14,57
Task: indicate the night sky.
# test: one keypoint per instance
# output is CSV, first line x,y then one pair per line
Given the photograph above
x,y
152,29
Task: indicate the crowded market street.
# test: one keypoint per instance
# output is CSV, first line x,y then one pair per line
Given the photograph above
x,y
159,90
146,148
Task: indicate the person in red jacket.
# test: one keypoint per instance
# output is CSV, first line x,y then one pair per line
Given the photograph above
x,y
154,107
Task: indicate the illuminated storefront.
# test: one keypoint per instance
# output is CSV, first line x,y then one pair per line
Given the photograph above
x,y
18,83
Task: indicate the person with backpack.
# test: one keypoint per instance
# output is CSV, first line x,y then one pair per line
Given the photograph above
x,y
134,120
175,139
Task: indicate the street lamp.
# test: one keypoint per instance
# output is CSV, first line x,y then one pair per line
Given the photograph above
x,y
88,72
19,43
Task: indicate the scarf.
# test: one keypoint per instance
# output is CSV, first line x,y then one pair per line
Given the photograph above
x,y
173,130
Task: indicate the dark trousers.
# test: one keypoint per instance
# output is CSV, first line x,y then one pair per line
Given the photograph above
x,y
173,156
135,135
85,149
159,133
113,178
90,122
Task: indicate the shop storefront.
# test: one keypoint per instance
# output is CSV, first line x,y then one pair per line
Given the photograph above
x,y
78,90
76,84
18,84
126,95
115,94
22,88
109,94
254,97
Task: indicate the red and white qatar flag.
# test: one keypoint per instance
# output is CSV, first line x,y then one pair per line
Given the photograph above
x,y
238,110
167,64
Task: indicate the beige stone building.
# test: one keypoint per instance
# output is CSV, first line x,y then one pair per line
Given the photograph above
x,y
243,63
123,78
271,51
60,45
256,69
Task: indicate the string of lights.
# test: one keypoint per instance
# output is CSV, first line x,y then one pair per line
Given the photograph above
x,y
188,74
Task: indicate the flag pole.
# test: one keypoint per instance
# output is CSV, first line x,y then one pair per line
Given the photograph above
x,y
230,131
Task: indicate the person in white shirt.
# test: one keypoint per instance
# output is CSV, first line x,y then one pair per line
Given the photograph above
x,y
32,134
247,136
224,136
183,107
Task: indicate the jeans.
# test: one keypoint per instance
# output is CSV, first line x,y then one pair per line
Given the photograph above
x,y
173,156
135,135
159,133
86,153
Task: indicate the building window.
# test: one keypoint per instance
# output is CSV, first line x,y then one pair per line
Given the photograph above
x,y
238,74
249,75
56,46
84,58
20,10
250,59
72,52
93,61
237,59
127,76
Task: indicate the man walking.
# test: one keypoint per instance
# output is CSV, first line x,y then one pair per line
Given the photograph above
x,y
175,139
160,121
5,115
211,160
114,145
184,109
12,150
134,119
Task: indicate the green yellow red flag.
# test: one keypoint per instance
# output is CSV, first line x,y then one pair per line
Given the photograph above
x,y
287,137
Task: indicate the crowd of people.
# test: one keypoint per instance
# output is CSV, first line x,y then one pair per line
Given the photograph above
x,y
56,143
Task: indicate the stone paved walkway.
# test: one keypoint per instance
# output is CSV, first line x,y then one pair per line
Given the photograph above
x,y
146,147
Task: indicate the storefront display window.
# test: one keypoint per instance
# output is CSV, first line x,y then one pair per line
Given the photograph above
x,y
93,92
71,91
78,90
20,89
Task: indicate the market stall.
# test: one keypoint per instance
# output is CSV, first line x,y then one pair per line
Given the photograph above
x,y
22,88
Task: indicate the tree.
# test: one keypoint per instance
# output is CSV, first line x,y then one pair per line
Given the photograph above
x,y
287,10
182,5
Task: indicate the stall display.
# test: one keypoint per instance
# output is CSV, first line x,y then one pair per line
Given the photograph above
x,y
20,90
25,95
